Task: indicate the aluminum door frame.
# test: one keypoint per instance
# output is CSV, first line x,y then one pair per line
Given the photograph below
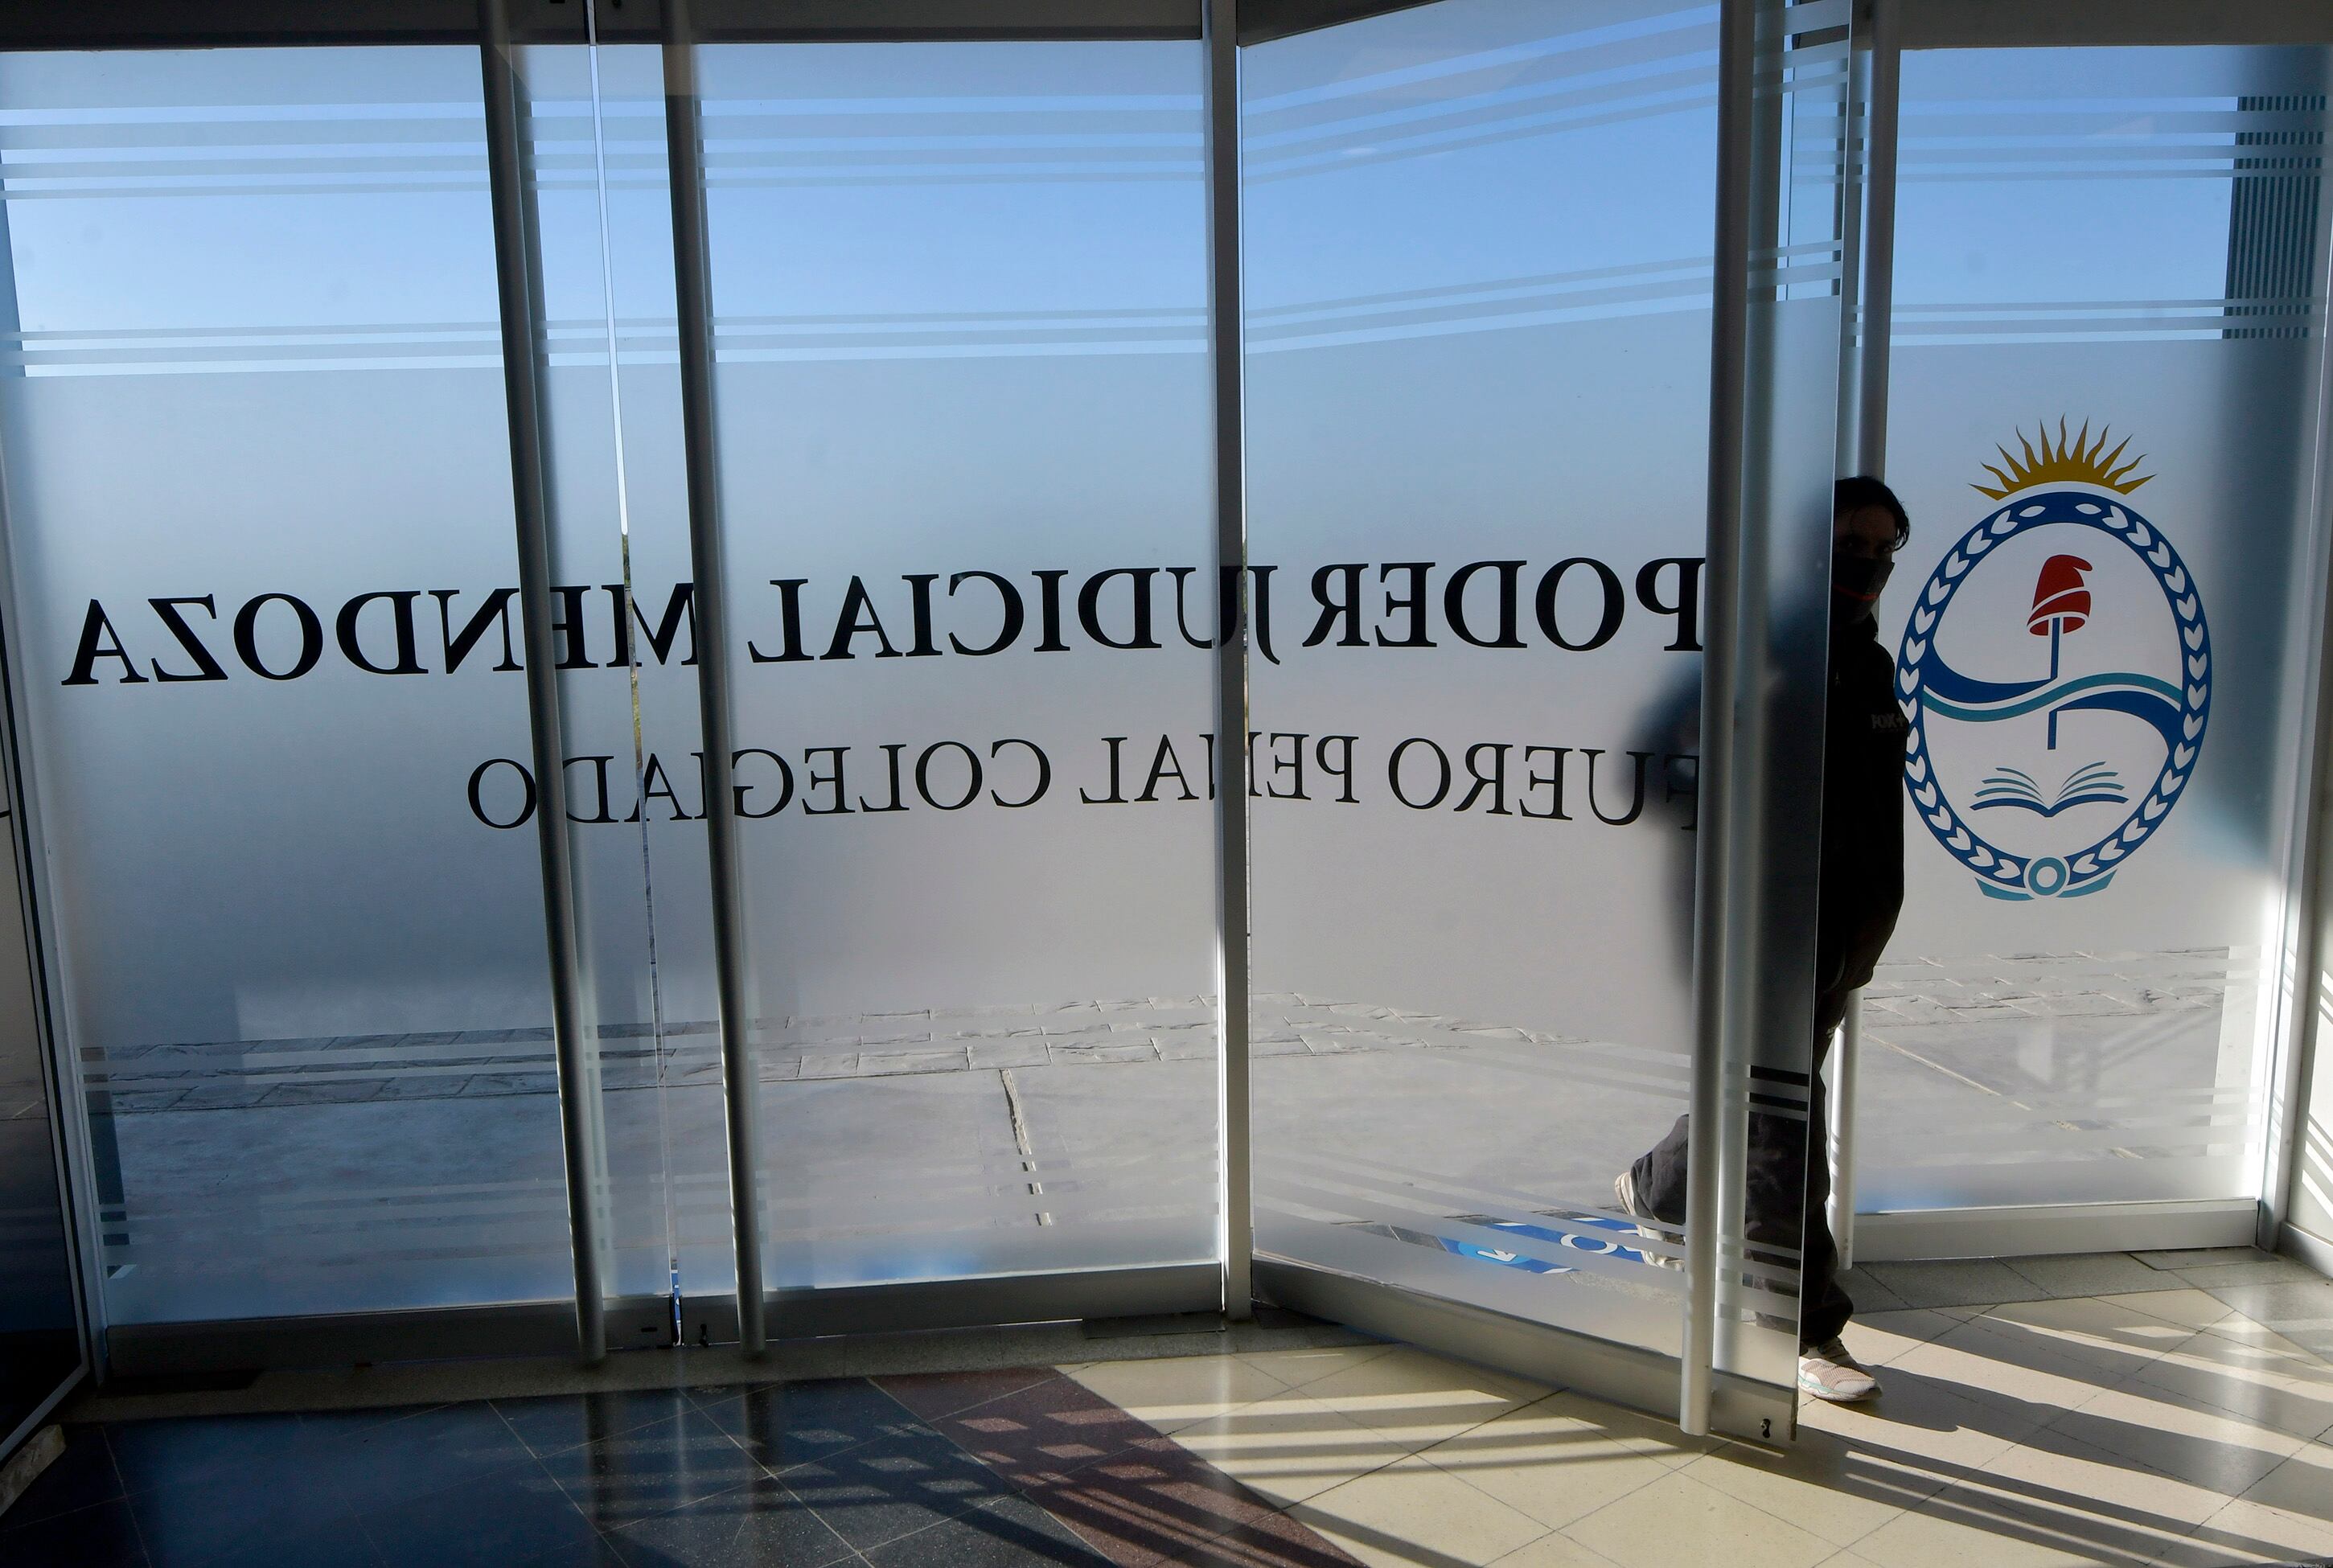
x,y
1735,872
68,1127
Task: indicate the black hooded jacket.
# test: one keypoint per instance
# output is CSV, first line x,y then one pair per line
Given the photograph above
x,y
1862,870
1860,879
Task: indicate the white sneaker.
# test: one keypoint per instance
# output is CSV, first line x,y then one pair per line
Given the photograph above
x,y
1831,1372
1624,1193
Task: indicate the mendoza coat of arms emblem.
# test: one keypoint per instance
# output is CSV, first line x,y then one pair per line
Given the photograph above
x,y
2057,673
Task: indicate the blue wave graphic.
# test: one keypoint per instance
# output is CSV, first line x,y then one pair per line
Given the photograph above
x,y
1946,690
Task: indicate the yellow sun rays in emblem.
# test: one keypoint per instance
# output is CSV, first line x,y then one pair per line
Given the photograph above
x,y
2077,458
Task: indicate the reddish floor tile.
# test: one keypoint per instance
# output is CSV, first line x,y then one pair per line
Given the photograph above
x,y
1273,1541
928,1396
1149,1503
1051,1429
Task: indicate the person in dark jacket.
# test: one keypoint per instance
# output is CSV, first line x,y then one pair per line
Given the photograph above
x,y
1861,890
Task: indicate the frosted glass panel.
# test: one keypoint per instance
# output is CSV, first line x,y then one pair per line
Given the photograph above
x,y
2103,369
258,498
960,298
1478,260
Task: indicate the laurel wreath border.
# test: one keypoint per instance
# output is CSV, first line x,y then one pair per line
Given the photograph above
x,y
2179,591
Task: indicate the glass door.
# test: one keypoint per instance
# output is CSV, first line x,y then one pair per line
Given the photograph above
x,y
2108,618
1481,290
259,509
627,657
957,318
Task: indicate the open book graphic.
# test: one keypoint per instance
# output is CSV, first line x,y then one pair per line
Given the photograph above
x,y
2084,786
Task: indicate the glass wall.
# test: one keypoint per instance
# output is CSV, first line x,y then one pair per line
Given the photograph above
x,y
256,437
959,295
258,496
2102,421
1479,265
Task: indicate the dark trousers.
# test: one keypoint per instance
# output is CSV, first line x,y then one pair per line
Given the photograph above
x,y
1777,1172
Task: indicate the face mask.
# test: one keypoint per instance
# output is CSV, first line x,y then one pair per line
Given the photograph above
x,y
1855,584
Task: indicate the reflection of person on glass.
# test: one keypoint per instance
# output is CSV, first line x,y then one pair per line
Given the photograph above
x,y
1861,887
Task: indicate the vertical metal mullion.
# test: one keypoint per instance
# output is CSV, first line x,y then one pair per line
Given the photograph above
x,y
1235,1235
693,293
1723,793
1878,242
2300,1039
518,270
1749,882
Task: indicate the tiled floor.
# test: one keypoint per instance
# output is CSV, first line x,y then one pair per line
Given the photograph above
x,y
965,1470
2189,1424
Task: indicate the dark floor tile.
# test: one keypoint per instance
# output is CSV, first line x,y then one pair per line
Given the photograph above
x,y
652,1470
261,1509
329,1424
599,1552
411,1459
1149,1503
101,1537
787,1424
760,1523
558,1421
152,1455
1968,1282
516,1516
1010,1532
80,1477
1047,1429
1151,1325
340,1544
928,1396
879,1491
1867,1293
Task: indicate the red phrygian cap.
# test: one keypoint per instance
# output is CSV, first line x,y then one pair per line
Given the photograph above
x,y
2059,596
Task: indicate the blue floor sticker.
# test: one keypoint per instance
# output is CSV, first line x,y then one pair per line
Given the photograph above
x,y
1590,1233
